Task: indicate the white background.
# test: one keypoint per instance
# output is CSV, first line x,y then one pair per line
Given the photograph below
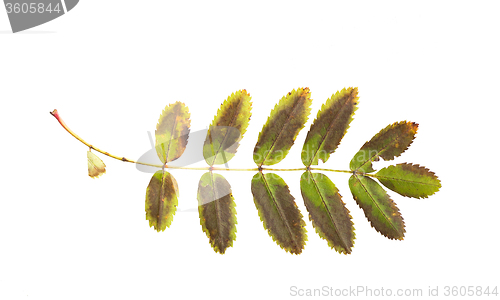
x,y
110,67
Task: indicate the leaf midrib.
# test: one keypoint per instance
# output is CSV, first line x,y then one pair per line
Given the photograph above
x,y
171,137
329,214
405,180
283,218
160,202
376,203
217,211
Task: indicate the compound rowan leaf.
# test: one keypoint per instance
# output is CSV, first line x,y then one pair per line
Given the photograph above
x,y
95,164
276,207
227,128
217,211
327,211
330,126
172,132
409,180
161,200
282,127
279,212
390,142
379,209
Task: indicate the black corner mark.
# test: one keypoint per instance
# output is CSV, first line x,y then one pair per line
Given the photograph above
x,y
70,4
26,14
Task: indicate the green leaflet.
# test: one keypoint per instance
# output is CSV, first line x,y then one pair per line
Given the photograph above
x,y
390,142
172,132
379,209
161,200
95,165
330,126
279,212
409,180
327,211
282,127
217,211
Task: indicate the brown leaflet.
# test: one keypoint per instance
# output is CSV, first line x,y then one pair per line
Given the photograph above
x,y
279,212
282,127
378,207
217,212
227,128
330,126
172,132
161,200
390,142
